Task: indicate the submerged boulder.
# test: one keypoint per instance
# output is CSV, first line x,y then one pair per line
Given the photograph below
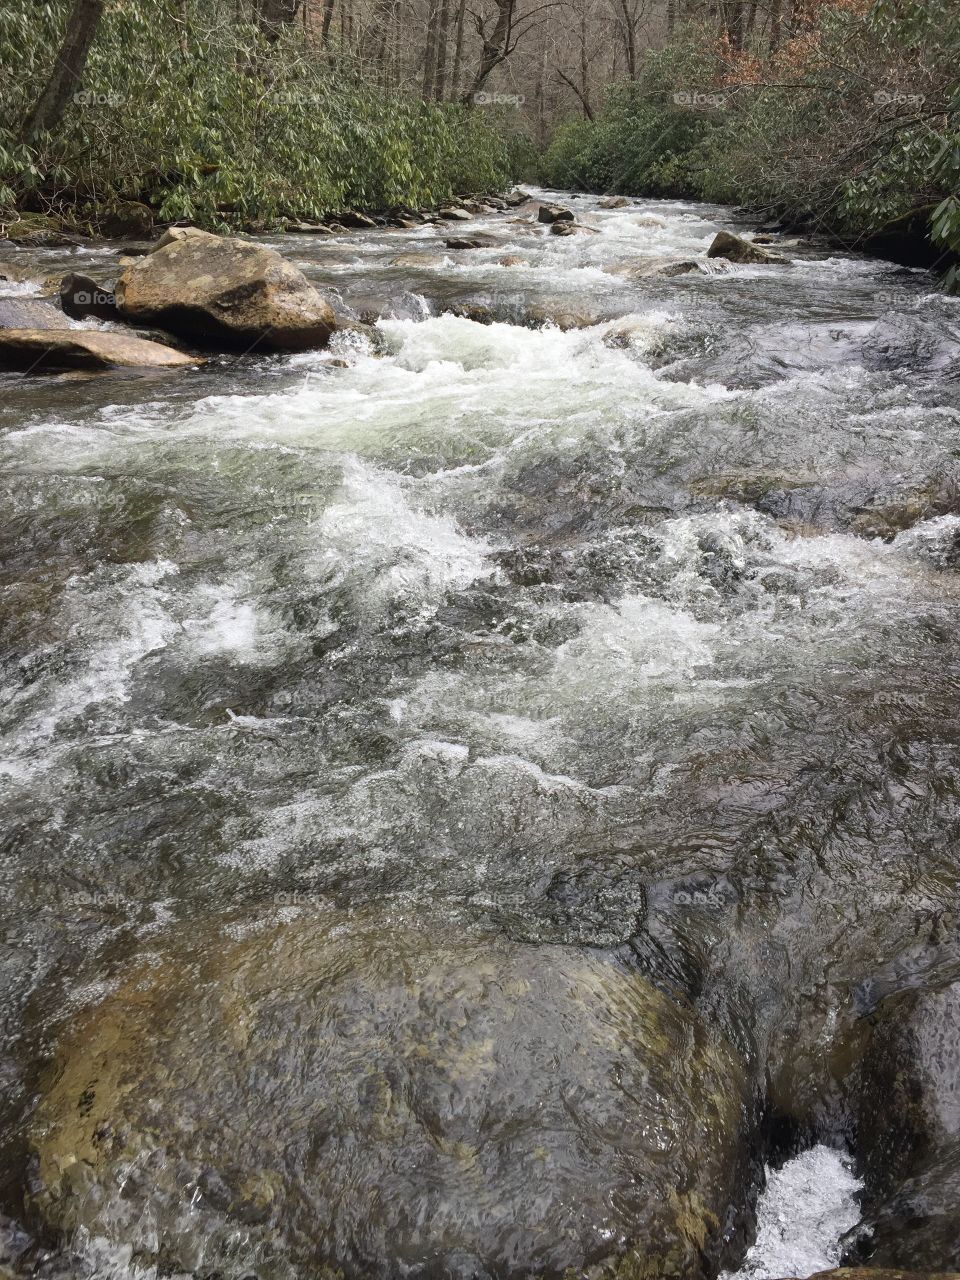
x,y
225,291
736,249
540,315
53,350
385,1097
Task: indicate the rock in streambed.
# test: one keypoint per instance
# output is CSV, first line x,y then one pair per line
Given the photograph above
x,y
385,1097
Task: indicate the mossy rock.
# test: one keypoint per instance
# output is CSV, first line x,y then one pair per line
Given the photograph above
x,y
34,230
125,218
386,1098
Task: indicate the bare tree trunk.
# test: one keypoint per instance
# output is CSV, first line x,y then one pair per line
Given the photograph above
x,y
732,13
541,95
443,33
430,51
628,30
584,63
68,68
327,20
496,46
458,51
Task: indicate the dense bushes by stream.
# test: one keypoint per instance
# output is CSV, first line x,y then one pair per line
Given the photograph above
x,y
204,118
852,123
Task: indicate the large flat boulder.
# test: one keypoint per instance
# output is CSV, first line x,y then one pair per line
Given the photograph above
x,y
387,1097
51,350
225,292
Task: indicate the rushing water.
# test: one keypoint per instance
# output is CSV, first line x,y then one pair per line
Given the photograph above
x,y
639,636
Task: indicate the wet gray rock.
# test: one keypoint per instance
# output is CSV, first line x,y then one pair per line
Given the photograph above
x,y
225,291
478,241
29,313
454,215
383,1096
613,202
908,1127
679,268
927,339
82,296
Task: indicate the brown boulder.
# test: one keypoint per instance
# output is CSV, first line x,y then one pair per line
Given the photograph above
x,y
225,291
554,213
735,249
359,221
52,350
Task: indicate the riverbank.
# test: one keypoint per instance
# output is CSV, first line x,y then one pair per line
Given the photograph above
x,y
846,122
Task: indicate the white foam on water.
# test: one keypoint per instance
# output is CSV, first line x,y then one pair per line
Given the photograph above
x,y
117,623
445,385
225,618
805,1208
21,288
395,552
635,643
